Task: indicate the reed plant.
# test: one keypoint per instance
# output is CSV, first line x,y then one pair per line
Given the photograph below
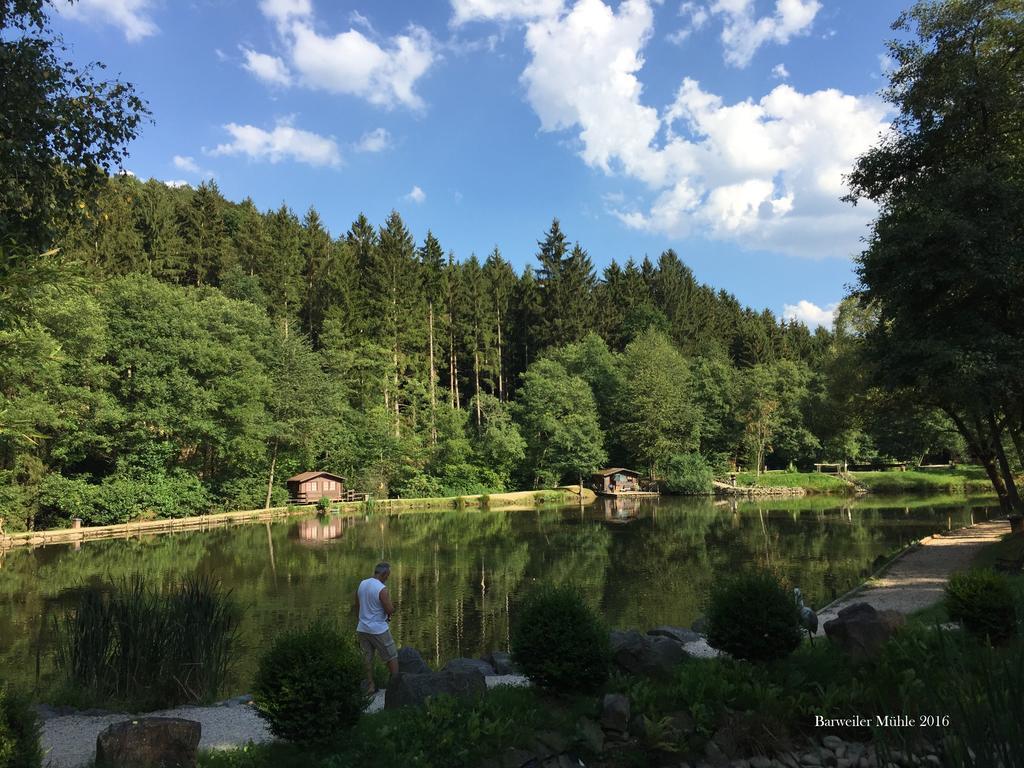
x,y
138,646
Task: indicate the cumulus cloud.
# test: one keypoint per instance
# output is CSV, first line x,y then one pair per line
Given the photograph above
x,y
779,72
744,32
267,68
284,142
416,195
376,140
810,314
130,16
187,164
175,183
381,71
503,10
697,16
766,174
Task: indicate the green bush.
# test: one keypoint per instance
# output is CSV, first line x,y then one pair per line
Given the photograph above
x,y
309,685
19,732
751,616
135,645
559,641
688,474
323,505
983,602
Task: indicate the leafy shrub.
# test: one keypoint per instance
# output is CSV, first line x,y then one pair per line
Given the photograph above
x,y
559,641
309,685
19,732
752,617
983,602
688,474
323,505
139,646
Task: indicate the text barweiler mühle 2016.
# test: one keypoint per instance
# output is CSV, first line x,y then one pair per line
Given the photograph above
x,y
882,721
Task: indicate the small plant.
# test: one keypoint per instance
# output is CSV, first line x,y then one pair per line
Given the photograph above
x,y
19,732
323,505
560,642
753,617
983,602
309,685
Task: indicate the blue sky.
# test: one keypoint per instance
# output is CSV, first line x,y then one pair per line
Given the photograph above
x,y
719,128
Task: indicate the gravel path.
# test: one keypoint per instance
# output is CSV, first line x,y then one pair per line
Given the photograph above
x,y
70,741
918,578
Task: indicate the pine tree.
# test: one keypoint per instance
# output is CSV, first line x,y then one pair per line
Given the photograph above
x,y
204,236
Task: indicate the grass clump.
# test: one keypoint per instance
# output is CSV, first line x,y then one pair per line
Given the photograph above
x,y
812,482
939,480
982,601
142,648
751,616
559,641
308,685
19,732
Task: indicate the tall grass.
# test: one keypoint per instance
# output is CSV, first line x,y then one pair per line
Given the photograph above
x,y
134,645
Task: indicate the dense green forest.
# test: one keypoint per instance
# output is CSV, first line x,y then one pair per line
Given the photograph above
x,y
196,352
164,351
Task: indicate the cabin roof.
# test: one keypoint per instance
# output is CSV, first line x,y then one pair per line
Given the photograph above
x,y
304,476
615,471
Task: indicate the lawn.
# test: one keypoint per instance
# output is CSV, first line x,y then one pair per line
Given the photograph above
x,y
812,482
950,480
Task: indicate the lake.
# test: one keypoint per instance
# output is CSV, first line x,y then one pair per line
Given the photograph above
x,y
456,575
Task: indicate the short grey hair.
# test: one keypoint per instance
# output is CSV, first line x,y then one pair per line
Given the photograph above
x,y
381,568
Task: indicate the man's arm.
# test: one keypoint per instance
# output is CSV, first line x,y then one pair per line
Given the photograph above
x,y
385,600
355,602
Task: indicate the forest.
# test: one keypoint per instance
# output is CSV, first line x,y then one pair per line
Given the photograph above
x,y
195,352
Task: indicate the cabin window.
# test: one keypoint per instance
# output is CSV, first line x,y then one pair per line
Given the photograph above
x,y
312,486
330,485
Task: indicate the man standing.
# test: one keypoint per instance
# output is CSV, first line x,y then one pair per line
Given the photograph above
x,y
375,610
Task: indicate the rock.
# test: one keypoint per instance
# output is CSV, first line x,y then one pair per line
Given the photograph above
x,y
832,742
469,665
554,741
679,634
645,654
517,758
681,723
760,761
615,712
861,631
810,759
410,662
714,753
149,742
638,727
590,735
502,663
414,690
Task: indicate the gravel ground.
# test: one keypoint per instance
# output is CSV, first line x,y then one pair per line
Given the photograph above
x,y
918,578
70,740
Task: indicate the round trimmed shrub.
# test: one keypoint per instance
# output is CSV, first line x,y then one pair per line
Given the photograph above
x,y
752,617
982,602
19,733
559,641
309,685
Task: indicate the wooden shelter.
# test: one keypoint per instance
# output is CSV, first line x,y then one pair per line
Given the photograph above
x,y
310,487
615,481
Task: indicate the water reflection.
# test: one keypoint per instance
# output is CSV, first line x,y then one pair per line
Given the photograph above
x,y
458,574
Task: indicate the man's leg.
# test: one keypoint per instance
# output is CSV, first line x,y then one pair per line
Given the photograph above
x,y
366,646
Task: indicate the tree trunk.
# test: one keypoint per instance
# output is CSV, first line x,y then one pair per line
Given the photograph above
x,y
476,377
977,445
433,377
270,480
501,380
1004,465
398,425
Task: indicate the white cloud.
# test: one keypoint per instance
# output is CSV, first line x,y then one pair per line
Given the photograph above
x,y
383,73
886,63
267,68
416,195
766,174
698,16
744,32
175,183
810,314
284,142
131,16
503,10
376,140
187,164
779,72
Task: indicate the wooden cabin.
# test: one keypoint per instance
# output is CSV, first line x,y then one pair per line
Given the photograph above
x,y
615,480
310,487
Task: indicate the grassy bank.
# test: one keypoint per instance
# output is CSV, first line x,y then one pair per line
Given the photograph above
x,y
811,482
961,479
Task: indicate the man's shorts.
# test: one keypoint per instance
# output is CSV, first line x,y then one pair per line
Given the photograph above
x,y
383,644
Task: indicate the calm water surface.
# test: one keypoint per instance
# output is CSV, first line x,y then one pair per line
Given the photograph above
x,y
457,575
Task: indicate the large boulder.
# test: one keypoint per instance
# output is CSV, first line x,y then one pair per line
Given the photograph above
x,y
615,712
645,654
469,665
679,634
410,662
502,663
414,690
149,742
861,631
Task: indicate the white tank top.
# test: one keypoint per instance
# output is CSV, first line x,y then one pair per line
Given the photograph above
x,y
372,618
